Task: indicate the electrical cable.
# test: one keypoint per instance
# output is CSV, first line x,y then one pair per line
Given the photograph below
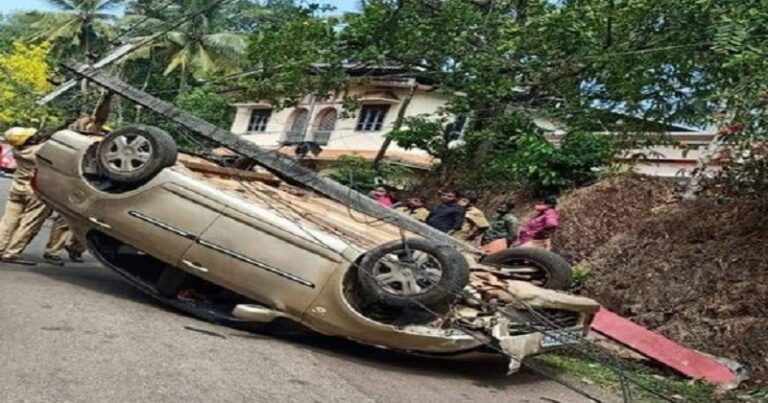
x,y
268,203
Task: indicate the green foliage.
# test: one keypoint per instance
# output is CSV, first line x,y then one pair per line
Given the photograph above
x,y
358,174
84,26
591,370
286,57
547,168
23,79
207,104
16,26
426,133
581,273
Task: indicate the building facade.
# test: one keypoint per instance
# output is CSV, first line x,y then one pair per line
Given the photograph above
x,y
323,120
362,132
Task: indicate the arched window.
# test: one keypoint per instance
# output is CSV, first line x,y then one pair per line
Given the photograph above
x,y
299,121
325,125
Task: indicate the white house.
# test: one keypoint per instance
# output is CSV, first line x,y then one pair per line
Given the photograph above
x,y
322,120
380,95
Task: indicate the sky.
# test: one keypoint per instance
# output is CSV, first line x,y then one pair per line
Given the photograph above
x,y
16,5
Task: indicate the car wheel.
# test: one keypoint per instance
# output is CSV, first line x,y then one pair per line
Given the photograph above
x,y
537,266
415,274
136,153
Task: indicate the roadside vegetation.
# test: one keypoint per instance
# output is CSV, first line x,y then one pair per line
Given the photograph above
x,y
596,66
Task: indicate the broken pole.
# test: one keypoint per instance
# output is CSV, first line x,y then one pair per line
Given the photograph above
x,y
112,57
278,164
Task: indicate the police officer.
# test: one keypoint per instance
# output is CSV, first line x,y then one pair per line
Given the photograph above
x,y
24,213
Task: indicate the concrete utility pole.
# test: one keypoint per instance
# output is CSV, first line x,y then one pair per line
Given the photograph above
x,y
280,165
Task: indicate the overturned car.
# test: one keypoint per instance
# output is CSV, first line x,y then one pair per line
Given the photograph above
x,y
240,251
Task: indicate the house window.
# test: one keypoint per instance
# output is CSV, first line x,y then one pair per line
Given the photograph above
x,y
259,120
299,121
326,124
372,118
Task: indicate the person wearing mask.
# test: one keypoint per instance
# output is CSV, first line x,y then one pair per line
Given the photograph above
x,y
414,208
381,195
502,231
448,216
475,223
538,232
25,213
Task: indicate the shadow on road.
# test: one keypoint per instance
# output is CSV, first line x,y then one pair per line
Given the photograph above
x,y
91,276
484,369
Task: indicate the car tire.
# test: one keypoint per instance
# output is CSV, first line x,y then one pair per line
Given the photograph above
x,y
136,153
554,272
438,293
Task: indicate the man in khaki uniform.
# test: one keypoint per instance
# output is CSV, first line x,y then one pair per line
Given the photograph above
x,y
61,237
475,222
24,213
414,208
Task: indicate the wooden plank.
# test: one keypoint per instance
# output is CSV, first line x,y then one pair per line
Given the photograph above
x,y
280,165
662,349
232,173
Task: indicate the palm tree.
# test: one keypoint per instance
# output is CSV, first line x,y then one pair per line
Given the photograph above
x,y
81,23
78,23
200,47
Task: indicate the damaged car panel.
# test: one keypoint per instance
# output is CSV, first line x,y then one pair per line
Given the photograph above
x,y
206,246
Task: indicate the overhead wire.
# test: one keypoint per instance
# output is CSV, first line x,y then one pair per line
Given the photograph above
x,y
299,224
268,203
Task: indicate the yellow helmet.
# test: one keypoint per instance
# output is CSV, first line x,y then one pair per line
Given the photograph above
x,y
17,136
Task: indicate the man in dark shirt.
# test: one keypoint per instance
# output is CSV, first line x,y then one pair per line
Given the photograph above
x,y
449,216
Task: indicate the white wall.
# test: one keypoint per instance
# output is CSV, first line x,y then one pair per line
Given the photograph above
x,y
345,136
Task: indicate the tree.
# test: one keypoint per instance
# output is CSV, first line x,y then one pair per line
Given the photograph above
x,y
201,47
579,61
81,23
24,73
205,103
17,26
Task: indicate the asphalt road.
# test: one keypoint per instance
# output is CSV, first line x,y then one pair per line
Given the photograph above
x,y
80,334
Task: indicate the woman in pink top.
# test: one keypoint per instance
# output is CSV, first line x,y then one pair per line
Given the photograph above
x,y
538,232
381,195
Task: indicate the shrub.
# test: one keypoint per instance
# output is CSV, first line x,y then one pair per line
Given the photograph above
x,y
358,173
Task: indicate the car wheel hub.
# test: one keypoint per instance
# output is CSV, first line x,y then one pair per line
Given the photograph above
x,y
129,153
407,273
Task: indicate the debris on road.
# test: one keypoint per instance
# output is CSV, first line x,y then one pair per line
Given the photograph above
x,y
695,274
663,350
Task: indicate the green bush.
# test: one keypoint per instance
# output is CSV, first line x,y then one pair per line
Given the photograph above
x,y
358,173
205,103
547,168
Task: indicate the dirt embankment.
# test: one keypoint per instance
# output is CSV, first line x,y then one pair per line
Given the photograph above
x,y
591,216
698,273
695,271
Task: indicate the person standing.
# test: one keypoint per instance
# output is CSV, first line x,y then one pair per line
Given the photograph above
x,y
24,212
475,223
448,216
61,237
414,208
503,230
538,232
381,195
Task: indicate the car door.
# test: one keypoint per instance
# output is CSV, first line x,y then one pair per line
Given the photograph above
x,y
162,220
262,259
